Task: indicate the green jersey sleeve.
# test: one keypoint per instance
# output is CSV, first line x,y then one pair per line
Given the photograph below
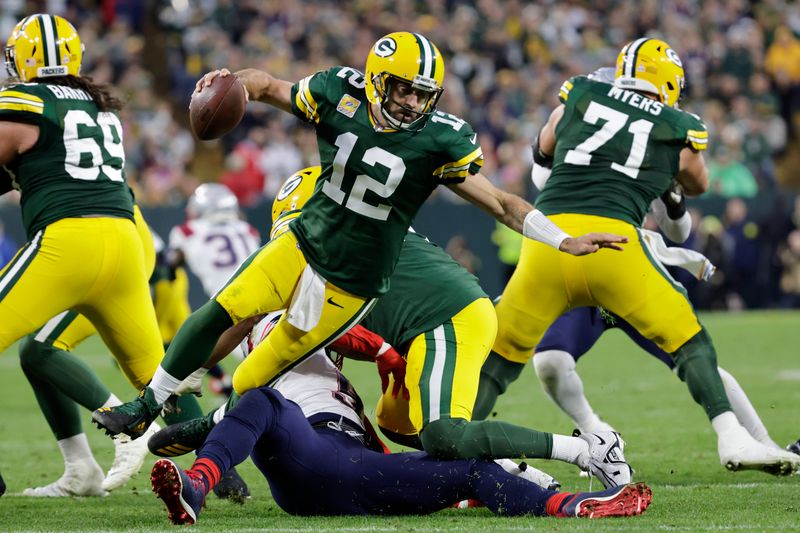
x,y
21,103
566,88
695,131
460,148
309,94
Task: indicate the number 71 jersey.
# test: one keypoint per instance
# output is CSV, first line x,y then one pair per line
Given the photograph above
x,y
616,151
76,166
373,181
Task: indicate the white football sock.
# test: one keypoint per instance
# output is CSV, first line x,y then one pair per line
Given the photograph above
x,y
75,448
725,422
744,410
163,385
571,450
563,385
112,401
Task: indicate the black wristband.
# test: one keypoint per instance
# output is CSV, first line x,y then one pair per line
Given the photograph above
x,y
539,157
675,210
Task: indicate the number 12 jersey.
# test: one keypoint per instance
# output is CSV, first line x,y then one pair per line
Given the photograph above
x,y
373,181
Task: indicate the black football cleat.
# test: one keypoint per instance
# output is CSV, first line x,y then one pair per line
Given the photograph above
x,y
232,487
132,418
181,438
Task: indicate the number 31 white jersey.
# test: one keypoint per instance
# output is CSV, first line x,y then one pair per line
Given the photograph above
x,y
214,249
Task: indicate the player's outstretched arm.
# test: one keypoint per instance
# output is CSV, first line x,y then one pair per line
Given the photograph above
x,y
259,86
519,215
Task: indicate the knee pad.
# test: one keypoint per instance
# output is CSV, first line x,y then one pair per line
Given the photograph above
x,y
442,438
32,353
552,363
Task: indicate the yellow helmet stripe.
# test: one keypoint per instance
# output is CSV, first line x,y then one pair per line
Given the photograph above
x,y
427,65
632,53
49,35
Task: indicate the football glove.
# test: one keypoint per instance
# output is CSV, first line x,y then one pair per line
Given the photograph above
x,y
675,201
390,362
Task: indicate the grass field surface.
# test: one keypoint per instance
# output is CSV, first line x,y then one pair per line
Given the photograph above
x,y
669,442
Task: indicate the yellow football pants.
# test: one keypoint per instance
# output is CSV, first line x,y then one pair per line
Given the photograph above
x,y
443,371
631,284
265,283
95,266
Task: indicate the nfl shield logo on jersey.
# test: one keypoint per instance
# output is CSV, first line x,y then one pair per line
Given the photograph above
x,y
348,106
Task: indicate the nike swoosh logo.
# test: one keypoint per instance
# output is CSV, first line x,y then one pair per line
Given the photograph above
x,y
330,301
474,138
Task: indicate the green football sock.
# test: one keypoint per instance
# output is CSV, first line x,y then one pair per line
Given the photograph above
x,y
61,382
195,340
697,366
456,438
496,375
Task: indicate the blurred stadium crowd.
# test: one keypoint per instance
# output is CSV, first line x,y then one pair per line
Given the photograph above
x,y
505,62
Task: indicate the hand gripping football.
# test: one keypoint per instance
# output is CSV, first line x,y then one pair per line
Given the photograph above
x,y
218,108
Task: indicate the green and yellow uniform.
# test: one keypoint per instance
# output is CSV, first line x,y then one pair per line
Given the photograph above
x,y
84,253
437,314
616,151
351,231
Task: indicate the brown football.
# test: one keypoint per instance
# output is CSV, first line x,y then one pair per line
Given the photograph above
x,y
218,108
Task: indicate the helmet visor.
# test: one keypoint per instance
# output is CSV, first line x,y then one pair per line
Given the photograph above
x,y
406,102
11,67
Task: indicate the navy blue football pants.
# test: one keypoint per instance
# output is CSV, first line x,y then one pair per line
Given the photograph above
x,y
324,471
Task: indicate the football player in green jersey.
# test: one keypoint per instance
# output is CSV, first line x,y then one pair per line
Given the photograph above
x,y
384,148
438,315
613,150
61,147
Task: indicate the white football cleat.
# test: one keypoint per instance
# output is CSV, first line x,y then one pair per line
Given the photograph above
x,y
738,450
606,461
129,457
529,473
83,478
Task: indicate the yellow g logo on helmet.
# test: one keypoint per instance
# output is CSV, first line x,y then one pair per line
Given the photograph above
x,y
291,197
42,46
650,65
404,57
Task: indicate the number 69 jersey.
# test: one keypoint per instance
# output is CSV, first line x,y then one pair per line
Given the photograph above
x,y
373,180
76,166
616,151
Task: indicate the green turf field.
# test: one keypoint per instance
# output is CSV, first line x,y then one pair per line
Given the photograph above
x,y
669,443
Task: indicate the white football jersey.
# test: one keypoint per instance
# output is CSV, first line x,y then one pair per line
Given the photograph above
x,y
315,384
214,249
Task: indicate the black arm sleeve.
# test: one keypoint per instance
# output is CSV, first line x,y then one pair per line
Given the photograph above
x,y
539,157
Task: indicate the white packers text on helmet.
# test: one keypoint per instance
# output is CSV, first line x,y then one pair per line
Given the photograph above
x,y
43,46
